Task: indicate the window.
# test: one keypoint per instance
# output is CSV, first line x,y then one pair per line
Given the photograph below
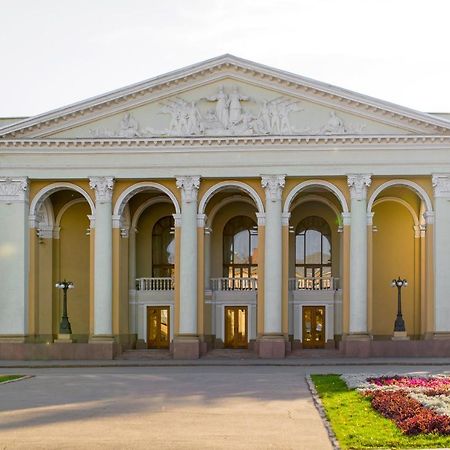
x,y
240,248
313,254
163,248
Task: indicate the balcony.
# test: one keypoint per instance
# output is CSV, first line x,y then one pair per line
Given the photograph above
x,y
234,284
314,284
155,284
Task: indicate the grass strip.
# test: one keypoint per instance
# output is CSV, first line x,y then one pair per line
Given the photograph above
x,y
4,378
358,426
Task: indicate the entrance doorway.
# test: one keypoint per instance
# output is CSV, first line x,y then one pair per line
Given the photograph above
x,y
313,321
236,326
158,326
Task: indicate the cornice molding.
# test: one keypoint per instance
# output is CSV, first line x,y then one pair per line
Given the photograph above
x,y
385,111
210,141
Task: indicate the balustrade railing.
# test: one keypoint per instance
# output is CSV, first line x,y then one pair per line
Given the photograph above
x,y
234,284
313,284
155,284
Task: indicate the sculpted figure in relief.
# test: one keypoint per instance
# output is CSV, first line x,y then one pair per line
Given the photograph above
x,y
335,125
221,106
235,99
129,126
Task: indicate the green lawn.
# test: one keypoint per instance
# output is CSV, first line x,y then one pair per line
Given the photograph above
x,y
358,426
4,378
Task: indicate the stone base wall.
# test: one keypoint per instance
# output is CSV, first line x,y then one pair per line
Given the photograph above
x,y
437,348
59,351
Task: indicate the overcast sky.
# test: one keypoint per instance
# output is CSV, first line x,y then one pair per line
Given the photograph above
x,y
56,52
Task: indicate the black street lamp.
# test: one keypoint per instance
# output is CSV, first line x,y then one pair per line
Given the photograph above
x,y
399,324
64,326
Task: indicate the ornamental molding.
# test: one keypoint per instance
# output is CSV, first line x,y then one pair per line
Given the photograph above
x,y
103,187
441,185
216,69
189,186
173,142
13,189
273,185
358,184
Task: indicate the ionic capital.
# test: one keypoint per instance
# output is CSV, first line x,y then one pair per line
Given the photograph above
x,y
273,185
358,184
13,189
189,188
103,187
441,185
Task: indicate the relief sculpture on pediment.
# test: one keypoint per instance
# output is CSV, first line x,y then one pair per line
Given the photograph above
x,y
228,112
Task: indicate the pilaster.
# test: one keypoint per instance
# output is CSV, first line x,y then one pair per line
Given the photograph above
x,y
186,344
13,258
103,285
358,320
441,190
273,343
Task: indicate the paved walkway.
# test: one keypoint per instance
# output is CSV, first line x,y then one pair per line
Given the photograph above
x,y
160,408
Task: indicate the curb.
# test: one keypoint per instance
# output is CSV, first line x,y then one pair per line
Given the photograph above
x,y
23,377
320,409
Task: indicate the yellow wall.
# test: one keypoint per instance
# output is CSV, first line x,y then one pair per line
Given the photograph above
x,y
393,256
74,266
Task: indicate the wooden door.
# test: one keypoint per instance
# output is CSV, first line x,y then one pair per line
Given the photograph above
x,y
236,327
313,321
158,326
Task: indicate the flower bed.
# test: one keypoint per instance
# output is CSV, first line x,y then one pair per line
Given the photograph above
x,y
417,404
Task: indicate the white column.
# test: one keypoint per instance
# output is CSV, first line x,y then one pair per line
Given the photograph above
x,y
13,257
358,185
132,280
208,258
188,254
441,187
273,185
103,187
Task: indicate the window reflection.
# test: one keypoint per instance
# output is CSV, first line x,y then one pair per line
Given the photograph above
x,y
313,253
163,248
240,248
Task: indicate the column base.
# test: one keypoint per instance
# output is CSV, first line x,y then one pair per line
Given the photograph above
x,y
271,347
400,336
356,345
12,338
64,339
100,338
441,335
186,347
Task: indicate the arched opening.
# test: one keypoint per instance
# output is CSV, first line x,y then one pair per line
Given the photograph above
x,y
315,264
61,250
398,248
232,263
149,300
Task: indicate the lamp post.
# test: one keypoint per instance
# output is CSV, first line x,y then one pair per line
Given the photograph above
x,y
64,326
399,325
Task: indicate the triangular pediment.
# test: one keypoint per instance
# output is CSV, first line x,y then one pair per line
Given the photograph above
x,y
227,96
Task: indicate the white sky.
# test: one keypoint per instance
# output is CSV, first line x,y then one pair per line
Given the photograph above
x,y
56,52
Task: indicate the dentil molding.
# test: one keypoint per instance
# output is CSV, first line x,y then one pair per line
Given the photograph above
x,y
13,189
273,185
358,184
441,185
103,187
189,188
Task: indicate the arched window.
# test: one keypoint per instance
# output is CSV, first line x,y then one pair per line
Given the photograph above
x,y
313,253
163,248
240,248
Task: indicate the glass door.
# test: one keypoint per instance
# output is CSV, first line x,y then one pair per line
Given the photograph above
x,y
236,324
158,326
313,321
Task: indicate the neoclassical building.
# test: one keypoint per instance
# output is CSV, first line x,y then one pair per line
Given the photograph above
x,y
225,205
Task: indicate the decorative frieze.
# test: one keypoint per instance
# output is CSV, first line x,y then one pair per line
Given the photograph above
x,y
189,188
358,184
103,187
13,189
441,185
273,185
